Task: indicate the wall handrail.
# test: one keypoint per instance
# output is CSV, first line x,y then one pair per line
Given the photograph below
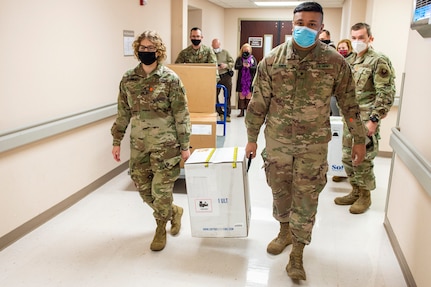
x,y
418,165
22,136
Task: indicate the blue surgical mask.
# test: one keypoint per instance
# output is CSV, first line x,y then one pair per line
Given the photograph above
x,y
304,36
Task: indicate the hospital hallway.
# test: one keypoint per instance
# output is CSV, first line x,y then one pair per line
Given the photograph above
x,y
104,240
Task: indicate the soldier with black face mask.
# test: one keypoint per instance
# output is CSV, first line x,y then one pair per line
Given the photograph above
x,y
152,100
325,37
196,52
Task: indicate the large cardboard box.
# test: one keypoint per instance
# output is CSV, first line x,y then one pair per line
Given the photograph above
x,y
218,194
204,131
200,82
335,148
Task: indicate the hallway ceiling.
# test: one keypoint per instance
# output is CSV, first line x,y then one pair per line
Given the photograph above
x,y
249,3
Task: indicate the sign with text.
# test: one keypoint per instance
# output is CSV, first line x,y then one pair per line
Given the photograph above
x,y
255,42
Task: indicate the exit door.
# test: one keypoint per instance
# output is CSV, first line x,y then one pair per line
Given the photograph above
x,y
264,35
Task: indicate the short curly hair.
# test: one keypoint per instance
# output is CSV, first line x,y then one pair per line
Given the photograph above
x,y
154,38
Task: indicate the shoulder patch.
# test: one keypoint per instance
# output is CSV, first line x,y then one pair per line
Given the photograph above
x,y
383,71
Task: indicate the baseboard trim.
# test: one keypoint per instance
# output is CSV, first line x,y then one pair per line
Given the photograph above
x,y
387,154
408,276
45,216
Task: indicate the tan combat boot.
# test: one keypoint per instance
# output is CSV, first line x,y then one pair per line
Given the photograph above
x,y
159,240
348,199
363,202
284,238
295,268
177,212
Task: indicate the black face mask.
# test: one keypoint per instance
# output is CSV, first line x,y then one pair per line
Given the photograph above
x,y
196,42
147,58
327,42
245,54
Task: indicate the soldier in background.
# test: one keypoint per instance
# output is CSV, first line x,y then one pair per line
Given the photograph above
x,y
196,52
291,96
375,90
224,66
152,98
325,37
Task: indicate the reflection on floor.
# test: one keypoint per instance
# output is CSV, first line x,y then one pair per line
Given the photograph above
x,y
104,240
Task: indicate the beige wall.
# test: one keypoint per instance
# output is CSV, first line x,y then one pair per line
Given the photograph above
x,y
212,21
389,38
409,214
60,58
409,203
65,60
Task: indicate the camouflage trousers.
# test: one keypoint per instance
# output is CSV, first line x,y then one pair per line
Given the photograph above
x,y
361,176
296,175
154,174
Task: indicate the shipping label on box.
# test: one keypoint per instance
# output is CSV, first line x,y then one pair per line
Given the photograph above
x,y
217,191
335,148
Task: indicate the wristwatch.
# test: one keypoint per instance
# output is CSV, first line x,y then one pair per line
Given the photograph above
x,y
374,119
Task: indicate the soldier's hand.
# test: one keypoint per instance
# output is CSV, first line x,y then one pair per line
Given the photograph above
x,y
250,148
358,154
185,154
116,153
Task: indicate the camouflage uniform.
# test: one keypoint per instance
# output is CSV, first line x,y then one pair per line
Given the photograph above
x,y
375,90
292,97
156,106
203,55
225,79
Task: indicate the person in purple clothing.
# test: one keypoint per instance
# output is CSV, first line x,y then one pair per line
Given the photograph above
x,y
246,65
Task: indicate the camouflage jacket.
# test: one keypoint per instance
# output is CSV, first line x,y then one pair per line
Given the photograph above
x,y
156,105
224,57
203,55
292,96
375,86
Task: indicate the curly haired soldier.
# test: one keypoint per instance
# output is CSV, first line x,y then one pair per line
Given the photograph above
x,y
152,98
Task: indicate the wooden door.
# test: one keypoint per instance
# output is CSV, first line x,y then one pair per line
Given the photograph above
x,y
254,32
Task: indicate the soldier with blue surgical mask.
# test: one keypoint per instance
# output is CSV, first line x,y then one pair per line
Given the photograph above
x,y
291,96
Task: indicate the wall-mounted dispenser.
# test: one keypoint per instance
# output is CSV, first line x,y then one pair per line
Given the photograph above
x,y
421,20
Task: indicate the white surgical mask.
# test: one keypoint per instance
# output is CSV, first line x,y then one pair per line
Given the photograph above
x,y
359,46
218,50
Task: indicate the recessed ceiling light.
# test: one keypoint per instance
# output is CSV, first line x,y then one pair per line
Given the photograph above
x,y
278,4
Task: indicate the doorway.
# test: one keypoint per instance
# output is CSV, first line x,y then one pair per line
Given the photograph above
x,y
264,35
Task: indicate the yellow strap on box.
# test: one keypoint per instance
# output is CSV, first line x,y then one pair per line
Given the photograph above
x,y
207,160
235,156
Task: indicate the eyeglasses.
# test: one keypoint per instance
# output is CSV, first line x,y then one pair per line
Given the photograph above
x,y
147,48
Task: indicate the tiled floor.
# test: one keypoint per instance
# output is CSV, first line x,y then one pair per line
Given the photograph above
x,y
104,239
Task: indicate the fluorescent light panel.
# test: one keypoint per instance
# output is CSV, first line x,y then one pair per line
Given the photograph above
x,y
279,4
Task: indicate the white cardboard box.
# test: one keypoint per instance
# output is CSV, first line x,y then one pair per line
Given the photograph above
x,y
335,148
217,191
